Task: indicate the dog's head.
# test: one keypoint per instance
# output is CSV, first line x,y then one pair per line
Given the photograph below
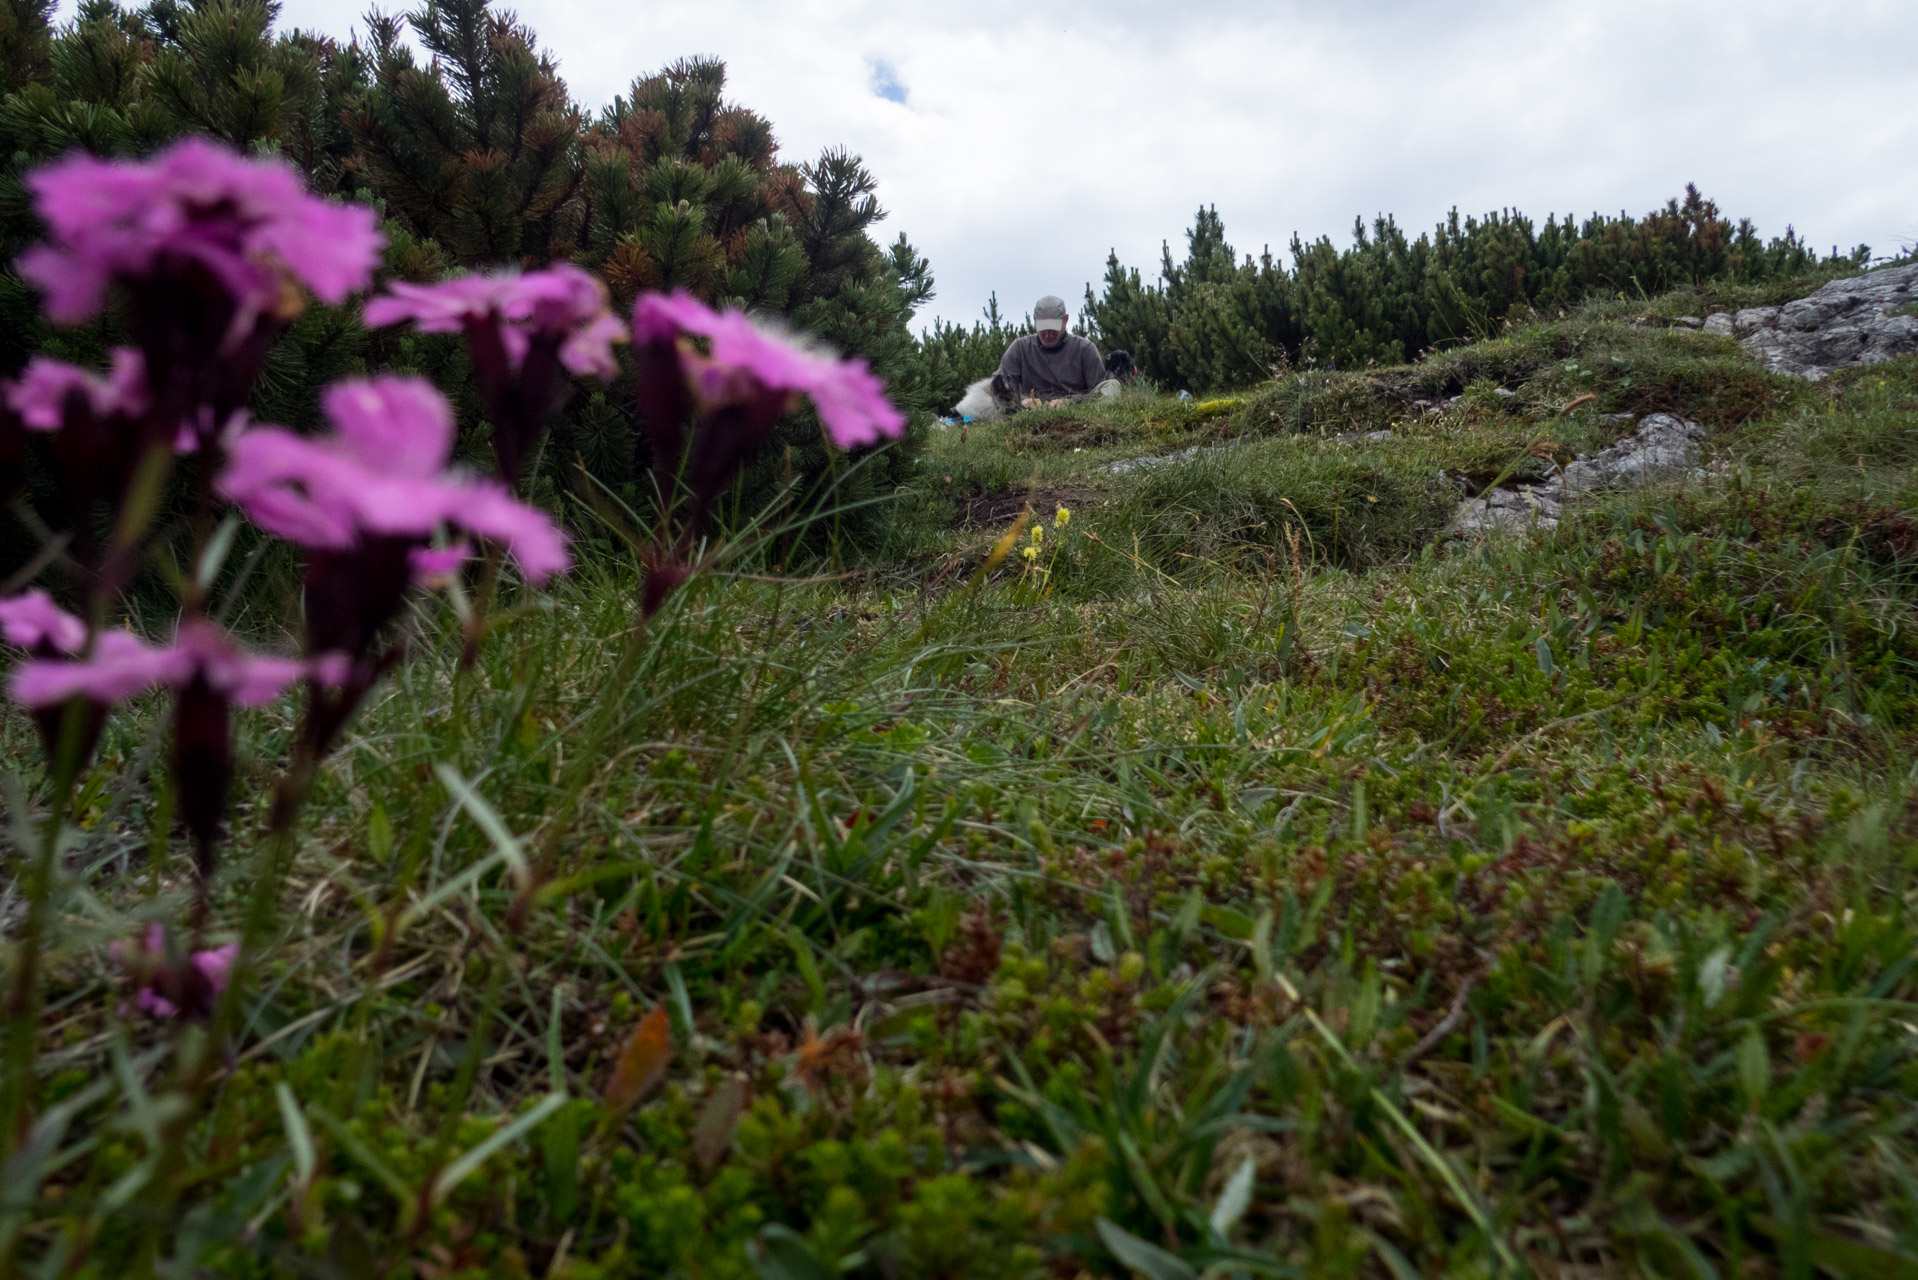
x,y
1119,365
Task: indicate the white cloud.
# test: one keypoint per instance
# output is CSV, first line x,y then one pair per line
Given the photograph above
x,y
1033,137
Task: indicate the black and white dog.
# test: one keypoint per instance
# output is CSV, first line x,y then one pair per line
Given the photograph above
x,y
986,400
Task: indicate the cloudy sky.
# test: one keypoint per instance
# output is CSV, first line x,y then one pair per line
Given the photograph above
x,y
1017,143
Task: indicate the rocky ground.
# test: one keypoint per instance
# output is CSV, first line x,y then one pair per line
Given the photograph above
x,y
1863,320
1866,319
1664,447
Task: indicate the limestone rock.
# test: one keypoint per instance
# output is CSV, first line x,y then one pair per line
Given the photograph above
x,y
1663,448
1720,324
1149,462
1523,508
1845,323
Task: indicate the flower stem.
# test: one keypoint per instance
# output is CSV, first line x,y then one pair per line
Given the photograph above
x,y
24,997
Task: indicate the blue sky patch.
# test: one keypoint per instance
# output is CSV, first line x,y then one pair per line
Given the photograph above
x,y
885,82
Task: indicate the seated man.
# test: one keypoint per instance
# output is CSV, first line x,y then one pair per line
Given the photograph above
x,y
1050,366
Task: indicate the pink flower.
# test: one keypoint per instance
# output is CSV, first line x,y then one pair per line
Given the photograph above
x,y
851,401
433,566
244,219
245,679
33,621
166,989
40,394
562,299
122,665
382,473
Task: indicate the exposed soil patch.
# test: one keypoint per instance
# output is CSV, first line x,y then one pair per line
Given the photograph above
x,y
999,509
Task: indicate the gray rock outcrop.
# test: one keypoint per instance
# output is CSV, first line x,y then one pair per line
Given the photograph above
x,y
1845,323
1664,447
1529,506
1152,461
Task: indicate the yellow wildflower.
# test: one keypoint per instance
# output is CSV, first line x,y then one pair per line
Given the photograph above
x,y
1064,517
1038,534
1031,553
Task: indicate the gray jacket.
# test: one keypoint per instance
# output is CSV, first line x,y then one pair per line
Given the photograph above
x,y
1073,368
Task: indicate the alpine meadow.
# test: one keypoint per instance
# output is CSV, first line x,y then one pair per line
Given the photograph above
x,y
535,743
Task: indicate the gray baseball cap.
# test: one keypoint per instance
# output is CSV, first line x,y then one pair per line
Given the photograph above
x,y
1049,313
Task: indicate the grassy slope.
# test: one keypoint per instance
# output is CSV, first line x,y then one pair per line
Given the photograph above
x,y
1340,902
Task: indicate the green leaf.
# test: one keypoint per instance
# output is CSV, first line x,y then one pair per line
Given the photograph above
x,y
214,555
781,1253
461,1168
1261,945
808,968
682,1000
713,1135
1233,924
505,843
1754,1068
1847,1257
1235,1197
559,1150
1188,917
1148,1260
298,1136
365,1157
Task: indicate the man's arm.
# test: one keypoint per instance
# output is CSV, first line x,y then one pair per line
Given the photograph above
x,y
1012,367
1094,365
1092,370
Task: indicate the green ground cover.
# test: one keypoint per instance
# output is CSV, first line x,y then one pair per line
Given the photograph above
x,y
1249,882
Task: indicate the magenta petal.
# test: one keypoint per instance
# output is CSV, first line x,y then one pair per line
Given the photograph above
x,y
121,666
561,299
217,964
403,507
255,680
40,394
292,487
853,406
851,401
149,1001
401,425
380,475
236,215
442,307
329,670
590,349
661,317
33,619
433,565
332,247
246,679
73,285
528,534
